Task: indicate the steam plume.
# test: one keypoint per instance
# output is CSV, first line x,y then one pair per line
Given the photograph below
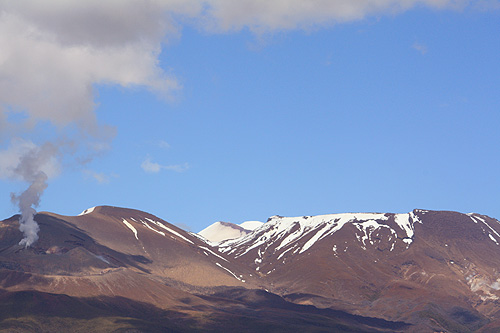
x,y
26,200
30,163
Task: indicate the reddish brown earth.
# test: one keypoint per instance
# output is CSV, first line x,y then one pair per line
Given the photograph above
x,y
116,269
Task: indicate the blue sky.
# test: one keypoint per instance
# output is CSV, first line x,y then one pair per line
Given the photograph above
x,y
383,113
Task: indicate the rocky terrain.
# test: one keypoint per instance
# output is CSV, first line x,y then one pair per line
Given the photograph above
x,y
117,269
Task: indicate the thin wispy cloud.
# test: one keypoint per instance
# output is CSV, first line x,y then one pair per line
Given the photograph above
x,y
163,144
176,167
152,167
100,177
420,47
486,5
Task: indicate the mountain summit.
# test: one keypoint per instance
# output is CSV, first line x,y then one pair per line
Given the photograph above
x,y
221,231
123,269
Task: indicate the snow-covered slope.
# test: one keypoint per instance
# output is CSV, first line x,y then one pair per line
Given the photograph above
x,y
221,231
87,211
298,234
251,225
376,262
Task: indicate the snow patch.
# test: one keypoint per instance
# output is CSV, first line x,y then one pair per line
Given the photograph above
x,y
212,252
251,225
478,220
368,227
282,254
493,239
405,222
131,227
87,211
473,218
161,225
151,228
239,279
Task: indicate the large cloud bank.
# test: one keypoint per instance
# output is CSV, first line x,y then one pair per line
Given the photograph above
x,y
53,52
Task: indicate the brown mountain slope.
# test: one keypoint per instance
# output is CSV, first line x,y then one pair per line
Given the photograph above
x,y
423,271
112,251
120,269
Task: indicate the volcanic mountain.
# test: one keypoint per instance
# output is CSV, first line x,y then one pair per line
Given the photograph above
x,y
121,269
426,268
220,231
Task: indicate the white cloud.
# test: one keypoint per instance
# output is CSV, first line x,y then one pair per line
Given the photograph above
x,y
177,167
103,23
163,144
53,81
269,15
152,167
100,177
54,52
420,47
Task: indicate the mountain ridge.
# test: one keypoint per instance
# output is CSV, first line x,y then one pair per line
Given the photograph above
x,y
430,270
221,231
